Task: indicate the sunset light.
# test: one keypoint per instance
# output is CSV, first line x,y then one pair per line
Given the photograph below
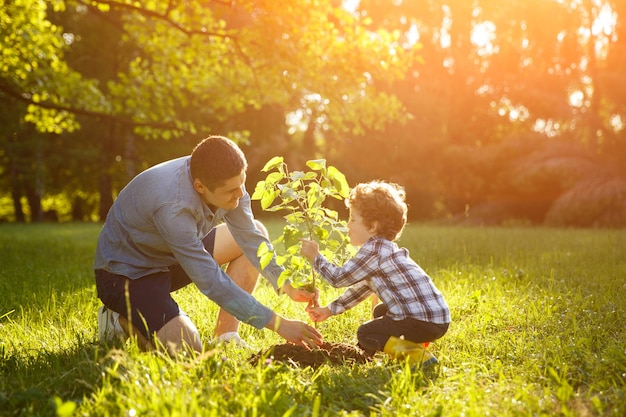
x,y
313,208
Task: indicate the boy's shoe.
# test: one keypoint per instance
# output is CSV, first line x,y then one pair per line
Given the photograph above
x,y
109,328
430,361
415,353
231,337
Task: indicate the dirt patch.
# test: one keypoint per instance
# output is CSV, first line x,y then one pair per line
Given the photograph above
x,y
333,353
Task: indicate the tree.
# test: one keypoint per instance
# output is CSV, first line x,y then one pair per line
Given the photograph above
x,y
495,72
184,68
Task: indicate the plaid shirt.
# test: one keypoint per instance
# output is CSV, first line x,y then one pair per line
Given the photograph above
x,y
381,267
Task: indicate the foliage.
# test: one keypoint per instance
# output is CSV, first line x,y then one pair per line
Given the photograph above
x,y
426,83
33,68
180,64
302,195
492,72
538,329
123,71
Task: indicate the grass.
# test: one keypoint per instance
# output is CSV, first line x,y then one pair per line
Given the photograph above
x,y
538,330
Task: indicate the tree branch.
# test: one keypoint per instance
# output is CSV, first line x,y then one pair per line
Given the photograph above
x,y
6,89
154,15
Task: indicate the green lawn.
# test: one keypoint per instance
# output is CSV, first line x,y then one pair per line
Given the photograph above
x,y
538,329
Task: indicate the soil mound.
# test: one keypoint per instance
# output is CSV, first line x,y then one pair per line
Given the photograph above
x,y
333,353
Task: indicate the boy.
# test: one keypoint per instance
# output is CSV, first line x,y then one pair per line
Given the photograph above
x,y
412,311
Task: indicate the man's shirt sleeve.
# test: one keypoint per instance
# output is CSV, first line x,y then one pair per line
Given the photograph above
x,y
241,224
179,229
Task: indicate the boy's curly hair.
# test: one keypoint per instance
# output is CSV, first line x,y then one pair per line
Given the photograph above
x,y
381,202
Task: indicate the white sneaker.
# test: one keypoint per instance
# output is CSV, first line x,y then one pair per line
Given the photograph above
x,y
232,337
109,328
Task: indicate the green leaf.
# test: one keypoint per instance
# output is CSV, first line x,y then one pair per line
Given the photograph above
x,y
259,190
268,198
273,163
297,175
262,253
292,236
284,276
64,408
316,164
331,213
274,178
339,181
313,196
288,194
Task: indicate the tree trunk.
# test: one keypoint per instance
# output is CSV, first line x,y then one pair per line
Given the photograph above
x,y
17,204
34,202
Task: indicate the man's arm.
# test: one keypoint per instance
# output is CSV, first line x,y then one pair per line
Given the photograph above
x,y
244,229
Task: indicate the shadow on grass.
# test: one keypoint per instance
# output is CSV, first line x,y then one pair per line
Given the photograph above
x,y
30,384
355,381
43,261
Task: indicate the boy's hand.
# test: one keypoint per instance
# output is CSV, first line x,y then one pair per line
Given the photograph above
x,y
310,249
318,314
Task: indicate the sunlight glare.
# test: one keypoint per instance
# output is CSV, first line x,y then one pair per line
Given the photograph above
x,y
605,22
445,40
577,98
350,5
413,35
617,122
483,34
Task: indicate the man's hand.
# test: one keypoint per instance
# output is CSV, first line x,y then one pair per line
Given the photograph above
x,y
296,332
300,294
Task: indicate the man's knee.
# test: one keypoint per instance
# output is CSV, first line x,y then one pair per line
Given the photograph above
x,y
180,334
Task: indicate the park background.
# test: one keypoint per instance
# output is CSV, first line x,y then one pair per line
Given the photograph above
x,y
488,112
491,113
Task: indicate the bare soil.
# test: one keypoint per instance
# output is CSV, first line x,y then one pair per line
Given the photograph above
x,y
331,353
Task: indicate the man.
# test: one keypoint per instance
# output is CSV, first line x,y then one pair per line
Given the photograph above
x,y
165,231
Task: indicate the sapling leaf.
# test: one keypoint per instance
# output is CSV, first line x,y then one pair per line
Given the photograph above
x,y
302,195
330,213
292,237
259,190
288,194
273,163
297,175
265,255
268,198
316,164
295,217
321,234
339,181
313,196
284,276
273,178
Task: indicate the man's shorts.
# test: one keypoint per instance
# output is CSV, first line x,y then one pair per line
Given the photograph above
x,y
146,302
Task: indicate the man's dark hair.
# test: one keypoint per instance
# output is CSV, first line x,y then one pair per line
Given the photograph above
x,y
215,160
